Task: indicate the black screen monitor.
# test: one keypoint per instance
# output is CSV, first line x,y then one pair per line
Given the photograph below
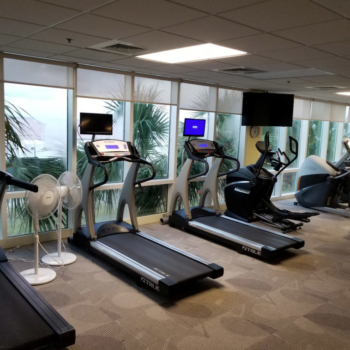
x,y
265,109
194,127
96,123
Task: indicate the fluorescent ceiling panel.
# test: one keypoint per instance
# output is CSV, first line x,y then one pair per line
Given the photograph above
x,y
192,54
345,93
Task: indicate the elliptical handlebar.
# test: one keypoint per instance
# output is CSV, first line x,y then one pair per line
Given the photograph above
x,y
266,150
345,174
294,149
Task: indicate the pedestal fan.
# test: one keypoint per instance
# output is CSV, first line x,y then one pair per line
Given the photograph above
x,y
71,196
41,205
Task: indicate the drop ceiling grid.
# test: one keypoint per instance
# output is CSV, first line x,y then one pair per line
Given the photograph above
x,y
43,36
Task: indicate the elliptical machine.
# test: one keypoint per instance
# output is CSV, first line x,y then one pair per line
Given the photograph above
x,y
325,186
248,191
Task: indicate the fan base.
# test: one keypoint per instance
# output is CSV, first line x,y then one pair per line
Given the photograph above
x,y
43,276
64,259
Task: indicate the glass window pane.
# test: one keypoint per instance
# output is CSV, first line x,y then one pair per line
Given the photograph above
x,y
151,137
93,83
227,132
194,191
274,133
332,141
153,90
20,223
289,184
151,200
230,101
315,138
36,131
197,97
117,108
293,131
106,204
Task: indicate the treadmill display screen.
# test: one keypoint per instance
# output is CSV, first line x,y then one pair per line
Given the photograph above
x,y
112,146
194,127
203,145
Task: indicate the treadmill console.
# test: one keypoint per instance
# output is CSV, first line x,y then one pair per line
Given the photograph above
x,y
201,148
111,148
108,151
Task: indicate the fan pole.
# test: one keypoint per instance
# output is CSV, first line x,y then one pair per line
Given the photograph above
x,y
36,246
38,275
59,231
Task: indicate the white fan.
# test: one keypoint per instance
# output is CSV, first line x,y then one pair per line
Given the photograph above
x,y
41,205
71,196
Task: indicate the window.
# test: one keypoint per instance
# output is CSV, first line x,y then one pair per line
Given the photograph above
x,y
117,108
273,136
294,131
314,145
151,200
289,184
36,143
333,141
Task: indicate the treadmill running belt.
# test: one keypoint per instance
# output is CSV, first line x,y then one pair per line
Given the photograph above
x,y
156,257
21,327
257,235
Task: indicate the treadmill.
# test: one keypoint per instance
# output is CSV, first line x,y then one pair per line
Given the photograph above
x,y
203,221
27,320
151,262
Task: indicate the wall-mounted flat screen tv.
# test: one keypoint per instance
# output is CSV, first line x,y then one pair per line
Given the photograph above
x,y
96,123
265,109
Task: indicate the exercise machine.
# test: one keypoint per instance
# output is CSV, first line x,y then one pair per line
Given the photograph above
x,y
248,191
151,262
28,321
322,185
209,223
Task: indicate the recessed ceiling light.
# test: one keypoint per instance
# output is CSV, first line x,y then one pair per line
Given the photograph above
x,y
192,54
346,93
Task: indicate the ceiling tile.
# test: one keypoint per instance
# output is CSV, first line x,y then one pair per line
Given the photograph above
x,y
7,39
80,5
60,36
72,59
25,52
216,6
323,63
102,27
338,30
275,67
331,79
157,40
248,60
35,12
296,54
173,68
208,65
290,81
18,28
341,48
340,6
94,55
150,13
259,43
277,14
43,46
135,62
211,29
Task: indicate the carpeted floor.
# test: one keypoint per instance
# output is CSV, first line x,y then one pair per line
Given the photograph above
x,y
301,301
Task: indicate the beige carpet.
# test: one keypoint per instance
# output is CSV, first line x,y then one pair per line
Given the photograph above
x,y
301,301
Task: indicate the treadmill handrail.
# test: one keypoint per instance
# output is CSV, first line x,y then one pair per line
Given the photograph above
x,y
200,174
154,172
231,171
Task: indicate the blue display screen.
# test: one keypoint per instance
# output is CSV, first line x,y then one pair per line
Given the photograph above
x,y
112,147
194,127
203,145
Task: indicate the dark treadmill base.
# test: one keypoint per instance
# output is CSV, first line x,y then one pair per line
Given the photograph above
x,y
27,321
176,268
272,243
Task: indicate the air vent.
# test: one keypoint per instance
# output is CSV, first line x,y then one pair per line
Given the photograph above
x,y
241,71
334,87
118,47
